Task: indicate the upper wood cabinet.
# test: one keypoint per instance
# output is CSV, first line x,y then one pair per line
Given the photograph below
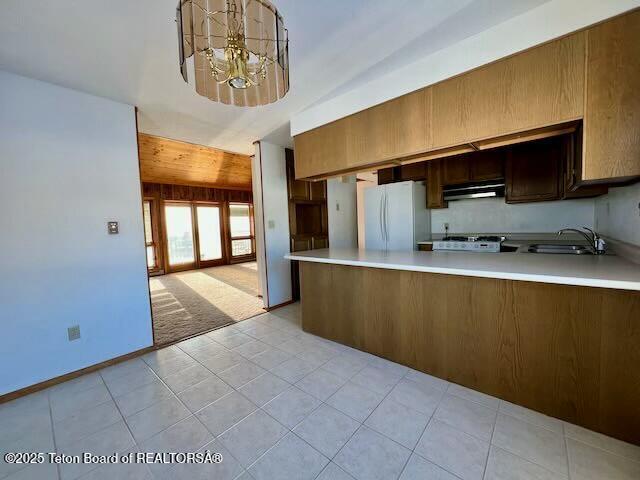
x,y
612,111
322,150
392,130
591,75
539,87
473,167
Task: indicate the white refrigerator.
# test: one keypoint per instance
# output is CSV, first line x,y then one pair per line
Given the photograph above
x,y
396,216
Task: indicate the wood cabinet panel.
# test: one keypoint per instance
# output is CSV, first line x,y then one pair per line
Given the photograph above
x,y
318,190
322,150
487,165
435,196
612,111
413,171
301,244
566,351
533,171
394,129
456,170
541,86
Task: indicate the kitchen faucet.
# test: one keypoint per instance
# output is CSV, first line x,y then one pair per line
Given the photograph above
x,y
597,244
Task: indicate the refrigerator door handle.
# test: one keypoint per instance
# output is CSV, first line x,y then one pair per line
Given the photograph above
x,y
380,216
384,219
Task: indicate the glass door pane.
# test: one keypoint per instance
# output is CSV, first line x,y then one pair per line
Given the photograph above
x,y
209,234
239,221
179,234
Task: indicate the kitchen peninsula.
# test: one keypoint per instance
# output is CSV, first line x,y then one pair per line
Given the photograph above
x,y
557,335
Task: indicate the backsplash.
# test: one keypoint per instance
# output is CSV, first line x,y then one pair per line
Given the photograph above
x,y
488,215
617,214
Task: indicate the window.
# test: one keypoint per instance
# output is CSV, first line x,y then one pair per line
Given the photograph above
x,y
152,258
241,229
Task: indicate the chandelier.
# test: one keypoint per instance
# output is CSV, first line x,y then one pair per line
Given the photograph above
x,y
234,51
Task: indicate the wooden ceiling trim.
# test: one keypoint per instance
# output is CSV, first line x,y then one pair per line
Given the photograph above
x,y
167,161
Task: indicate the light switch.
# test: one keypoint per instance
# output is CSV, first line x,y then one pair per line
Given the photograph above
x,y
112,228
337,207
271,224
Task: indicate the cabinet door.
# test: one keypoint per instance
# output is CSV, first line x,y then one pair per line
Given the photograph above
x,y
387,175
456,170
539,87
301,244
318,190
319,242
533,172
487,165
435,197
298,189
612,112
413,171
391,130
321,150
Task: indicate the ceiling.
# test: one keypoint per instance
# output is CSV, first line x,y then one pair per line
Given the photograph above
x,y
180,163
127,51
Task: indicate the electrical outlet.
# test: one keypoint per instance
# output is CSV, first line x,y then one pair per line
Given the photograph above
x,y
73,332
271,224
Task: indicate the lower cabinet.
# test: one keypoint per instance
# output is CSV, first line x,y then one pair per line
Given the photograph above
x,y
566,351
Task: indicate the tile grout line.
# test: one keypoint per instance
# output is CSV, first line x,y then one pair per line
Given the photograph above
x,y
124,420
431,417
362,424
566,446
53,432
493,431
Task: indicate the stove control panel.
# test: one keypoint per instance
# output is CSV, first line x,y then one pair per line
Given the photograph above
x,y
466,246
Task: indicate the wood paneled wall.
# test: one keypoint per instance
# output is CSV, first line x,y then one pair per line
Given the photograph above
x,y
197,194
566,351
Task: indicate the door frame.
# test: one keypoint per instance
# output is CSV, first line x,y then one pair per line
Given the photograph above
x,y
165,239
219,261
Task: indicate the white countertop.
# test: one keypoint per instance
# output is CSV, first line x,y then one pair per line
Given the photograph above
x,y
605,271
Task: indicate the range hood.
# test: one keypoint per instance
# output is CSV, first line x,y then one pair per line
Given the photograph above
x,y
494,188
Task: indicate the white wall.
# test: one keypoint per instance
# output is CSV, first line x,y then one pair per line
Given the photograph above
x,y
618,214
550,20
68,164
342,212
271,210
493,215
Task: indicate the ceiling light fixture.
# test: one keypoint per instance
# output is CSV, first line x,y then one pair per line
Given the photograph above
x,y
234,51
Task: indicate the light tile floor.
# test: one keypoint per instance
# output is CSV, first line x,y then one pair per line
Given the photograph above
x,y
279,403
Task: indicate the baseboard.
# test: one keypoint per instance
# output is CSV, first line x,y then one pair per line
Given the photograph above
x,y
7,397
268,309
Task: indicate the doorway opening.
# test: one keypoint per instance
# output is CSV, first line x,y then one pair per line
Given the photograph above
x,y
200,240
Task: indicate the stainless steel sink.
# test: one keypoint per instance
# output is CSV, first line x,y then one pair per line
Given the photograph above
x,y
566,249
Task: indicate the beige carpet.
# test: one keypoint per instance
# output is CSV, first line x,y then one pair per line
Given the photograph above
x,y
196,301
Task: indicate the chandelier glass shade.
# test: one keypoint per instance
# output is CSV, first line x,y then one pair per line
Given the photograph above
x,y
234,51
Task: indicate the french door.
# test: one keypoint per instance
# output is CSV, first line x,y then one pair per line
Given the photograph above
x,y
194,235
